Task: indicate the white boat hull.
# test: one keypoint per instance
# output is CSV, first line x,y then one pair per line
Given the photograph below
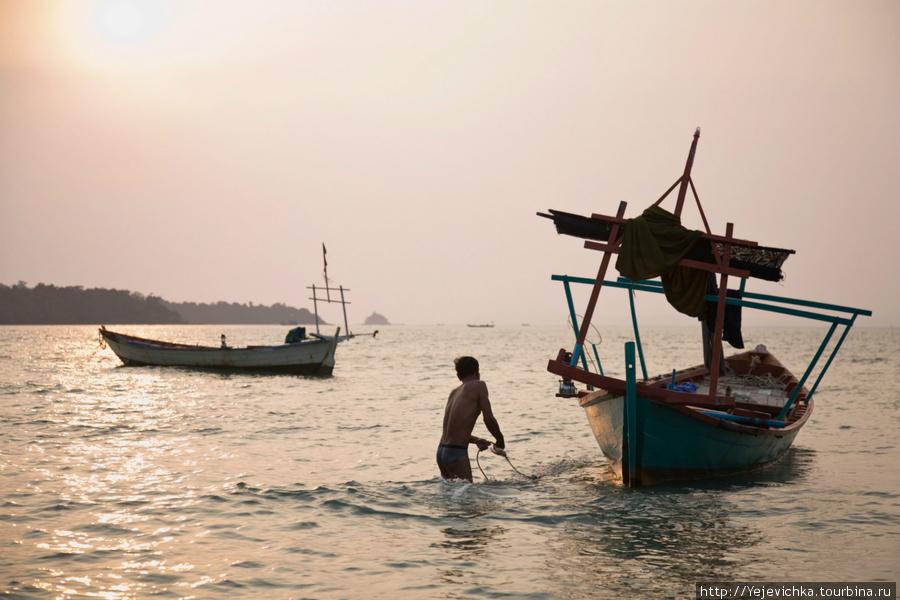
x,y
309,357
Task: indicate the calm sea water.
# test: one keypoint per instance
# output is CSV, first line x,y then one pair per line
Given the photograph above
x,y
120,482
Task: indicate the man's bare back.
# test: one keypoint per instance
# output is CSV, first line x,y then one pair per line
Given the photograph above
x,y
460,415
463,407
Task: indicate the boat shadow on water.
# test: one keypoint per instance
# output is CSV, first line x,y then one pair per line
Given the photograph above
x,y
679,534
217,373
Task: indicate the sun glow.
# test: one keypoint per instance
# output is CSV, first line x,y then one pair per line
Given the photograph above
x,y
122,35
128,21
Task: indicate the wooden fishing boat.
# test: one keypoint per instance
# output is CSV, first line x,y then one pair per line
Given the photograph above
x,y
310,356
727,415
300,354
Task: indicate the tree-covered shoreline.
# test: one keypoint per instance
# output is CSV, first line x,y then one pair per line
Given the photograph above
x,y
75,305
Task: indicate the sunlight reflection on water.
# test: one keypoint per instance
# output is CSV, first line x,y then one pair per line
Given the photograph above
x,y
125,482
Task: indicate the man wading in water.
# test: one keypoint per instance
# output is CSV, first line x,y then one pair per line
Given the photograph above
x,y
463,407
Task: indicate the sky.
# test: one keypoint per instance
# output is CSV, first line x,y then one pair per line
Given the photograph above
x,y
204,150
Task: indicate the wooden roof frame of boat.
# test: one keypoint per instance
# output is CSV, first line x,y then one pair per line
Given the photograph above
x,y
343,302
724,270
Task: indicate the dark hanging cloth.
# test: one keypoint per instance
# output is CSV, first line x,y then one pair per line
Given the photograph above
x,y
652,245
731,330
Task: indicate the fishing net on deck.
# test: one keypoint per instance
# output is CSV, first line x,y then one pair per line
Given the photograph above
x,y
762,262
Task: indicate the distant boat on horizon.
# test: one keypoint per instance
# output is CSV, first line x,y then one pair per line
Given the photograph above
x,y
480,325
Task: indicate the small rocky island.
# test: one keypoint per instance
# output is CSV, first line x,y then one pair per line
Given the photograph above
x,y
376,319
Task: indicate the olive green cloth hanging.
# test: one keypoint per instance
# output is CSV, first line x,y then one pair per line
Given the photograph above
x,y
651,246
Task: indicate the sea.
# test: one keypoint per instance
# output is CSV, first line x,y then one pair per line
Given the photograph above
x,y
144,482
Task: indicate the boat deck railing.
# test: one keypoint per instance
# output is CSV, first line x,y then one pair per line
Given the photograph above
x,y
840,317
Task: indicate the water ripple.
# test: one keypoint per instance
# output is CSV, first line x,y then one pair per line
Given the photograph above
x,y
128,482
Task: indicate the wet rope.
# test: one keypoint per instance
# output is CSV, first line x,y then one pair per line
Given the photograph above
x,y
518,471
504,455
102,346
478,462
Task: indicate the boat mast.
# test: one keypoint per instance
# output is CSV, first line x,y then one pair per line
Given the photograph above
x,y
327,297
722,266
613,244
686,177
724,263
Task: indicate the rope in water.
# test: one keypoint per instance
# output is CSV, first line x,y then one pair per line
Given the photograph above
x,y
478,462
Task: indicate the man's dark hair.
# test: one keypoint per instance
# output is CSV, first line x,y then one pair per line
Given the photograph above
x,y
465,366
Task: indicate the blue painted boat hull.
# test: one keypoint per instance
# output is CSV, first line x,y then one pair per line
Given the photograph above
x,y
677,444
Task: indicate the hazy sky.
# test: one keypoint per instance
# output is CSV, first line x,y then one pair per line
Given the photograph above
x,y
203,150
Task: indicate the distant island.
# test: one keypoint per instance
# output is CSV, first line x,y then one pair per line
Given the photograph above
x,y
74,305
376,319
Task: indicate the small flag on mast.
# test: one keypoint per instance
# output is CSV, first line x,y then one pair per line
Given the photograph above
x,y
325,260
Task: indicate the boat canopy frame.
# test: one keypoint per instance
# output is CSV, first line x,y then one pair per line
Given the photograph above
x,y
327,299
723,253
838,316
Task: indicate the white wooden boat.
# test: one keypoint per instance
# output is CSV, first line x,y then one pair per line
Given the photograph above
x,y
300,355
311,356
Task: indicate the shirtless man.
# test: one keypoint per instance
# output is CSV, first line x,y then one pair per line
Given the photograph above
x,y
463,407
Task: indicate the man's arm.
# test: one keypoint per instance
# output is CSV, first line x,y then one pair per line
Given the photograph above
x,y
489,420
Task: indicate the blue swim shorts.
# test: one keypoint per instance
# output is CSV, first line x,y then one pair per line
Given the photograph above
x,y
447,454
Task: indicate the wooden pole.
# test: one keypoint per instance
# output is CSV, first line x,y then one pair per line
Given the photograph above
x,y
631,420
344,305
720,315
595,293
315,307
686,178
